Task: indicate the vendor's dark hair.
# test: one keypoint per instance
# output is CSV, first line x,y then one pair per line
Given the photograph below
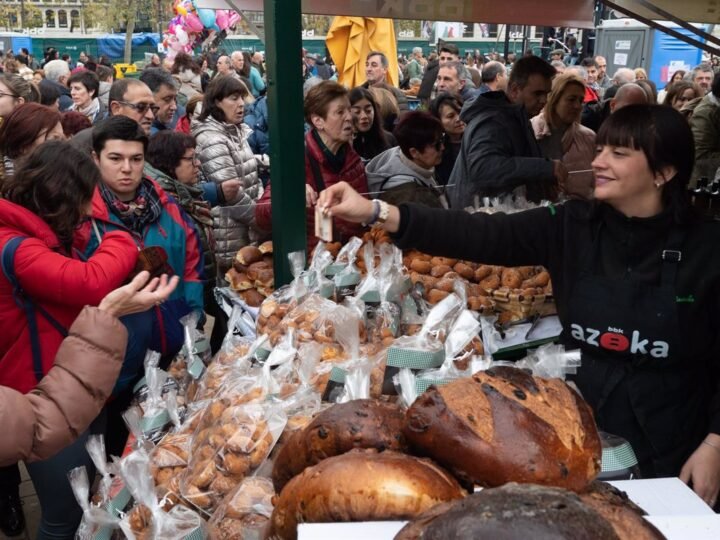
x,y
375,136
117,128
166,149
55,182
417,129
664,136
88,79
218,89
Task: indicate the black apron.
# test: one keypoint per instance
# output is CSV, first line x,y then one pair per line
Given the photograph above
x,y
635,373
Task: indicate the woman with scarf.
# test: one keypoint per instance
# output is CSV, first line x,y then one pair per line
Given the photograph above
x,y
174,165
84,89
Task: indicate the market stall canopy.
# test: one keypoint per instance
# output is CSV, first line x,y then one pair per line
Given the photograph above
x,y
697,11
573,13
349,41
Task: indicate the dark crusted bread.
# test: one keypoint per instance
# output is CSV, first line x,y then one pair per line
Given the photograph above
x,y
361,485
512,512
362,423
624,515
504,425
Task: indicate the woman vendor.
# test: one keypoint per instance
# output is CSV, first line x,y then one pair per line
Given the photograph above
x,y
637,282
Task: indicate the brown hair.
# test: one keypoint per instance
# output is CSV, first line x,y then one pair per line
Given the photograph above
x,y
678,88
25,124
74,122
319,97
184,61
21,87
55,182
218,89
559,85
387,105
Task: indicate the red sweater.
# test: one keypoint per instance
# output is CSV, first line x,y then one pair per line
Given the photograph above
x,y
61,284
352,172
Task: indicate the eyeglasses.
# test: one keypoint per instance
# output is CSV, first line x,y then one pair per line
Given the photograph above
x,y
193,159
142,108
5,94
439,143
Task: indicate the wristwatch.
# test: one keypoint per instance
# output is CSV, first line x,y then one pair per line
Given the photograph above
x,y
384,212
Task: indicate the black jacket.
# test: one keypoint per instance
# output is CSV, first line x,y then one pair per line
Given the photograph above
x,y
428,80
683,399
498,154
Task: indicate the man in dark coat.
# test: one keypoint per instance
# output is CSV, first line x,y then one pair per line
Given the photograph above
x,y
499,152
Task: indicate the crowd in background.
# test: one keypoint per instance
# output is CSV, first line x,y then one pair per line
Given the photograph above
x,y
171,169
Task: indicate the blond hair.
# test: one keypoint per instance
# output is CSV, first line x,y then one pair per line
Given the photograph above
x,y
559,85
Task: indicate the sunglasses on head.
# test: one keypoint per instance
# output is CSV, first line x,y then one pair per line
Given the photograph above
x,y
439,143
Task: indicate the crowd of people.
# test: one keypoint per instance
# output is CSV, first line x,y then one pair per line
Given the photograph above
x,y
109,186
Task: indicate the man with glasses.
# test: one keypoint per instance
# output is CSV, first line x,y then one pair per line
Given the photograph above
x,y
128,97
164,91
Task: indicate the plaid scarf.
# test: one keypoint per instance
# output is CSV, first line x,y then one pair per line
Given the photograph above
x,y
143,210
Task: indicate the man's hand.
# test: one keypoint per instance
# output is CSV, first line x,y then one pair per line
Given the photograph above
x,y
310,196
230,189
136,298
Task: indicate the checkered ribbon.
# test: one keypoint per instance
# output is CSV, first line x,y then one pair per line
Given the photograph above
x,y
618,458
415,359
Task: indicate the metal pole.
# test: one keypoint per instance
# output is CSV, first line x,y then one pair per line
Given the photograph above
x,y
507,42
283,33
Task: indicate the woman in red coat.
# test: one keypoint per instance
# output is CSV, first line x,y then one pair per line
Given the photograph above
x,y
43,289
329,158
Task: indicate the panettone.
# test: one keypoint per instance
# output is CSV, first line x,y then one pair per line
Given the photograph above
x,y
362,485
504,425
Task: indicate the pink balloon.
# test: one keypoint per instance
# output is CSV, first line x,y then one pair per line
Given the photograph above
x,y
193,23
222,18
233,19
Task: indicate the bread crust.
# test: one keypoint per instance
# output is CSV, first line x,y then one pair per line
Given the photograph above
x,y
362,485
361,423
504,425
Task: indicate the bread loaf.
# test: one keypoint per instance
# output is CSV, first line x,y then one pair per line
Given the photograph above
x,y
362,485
624,515
504,425
361,423
512,512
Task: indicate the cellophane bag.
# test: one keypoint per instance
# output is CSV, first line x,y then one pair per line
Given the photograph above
x,y
315,279
148,520
229,450
97,522
245,512
284,299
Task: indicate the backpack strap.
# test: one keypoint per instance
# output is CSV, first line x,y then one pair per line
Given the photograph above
x,y
25,303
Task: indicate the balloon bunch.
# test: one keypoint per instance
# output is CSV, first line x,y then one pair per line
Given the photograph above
x,y
191,26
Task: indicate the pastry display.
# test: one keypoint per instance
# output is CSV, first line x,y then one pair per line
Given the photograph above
x,y
245,512
504,425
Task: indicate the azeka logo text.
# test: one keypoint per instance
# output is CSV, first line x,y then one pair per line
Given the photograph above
x,y
616,340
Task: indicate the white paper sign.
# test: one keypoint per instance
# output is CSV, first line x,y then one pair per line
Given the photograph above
x,y
620,59
623,45
664,497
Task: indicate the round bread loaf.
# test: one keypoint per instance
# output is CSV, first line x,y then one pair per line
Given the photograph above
x,y
504,425
361,423
624,515
512,512
361,485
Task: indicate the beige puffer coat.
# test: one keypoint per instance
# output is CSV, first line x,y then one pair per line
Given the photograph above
x,y
225,154
39,424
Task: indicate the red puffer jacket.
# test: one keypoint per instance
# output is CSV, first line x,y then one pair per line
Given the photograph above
x,y
60,284
352,172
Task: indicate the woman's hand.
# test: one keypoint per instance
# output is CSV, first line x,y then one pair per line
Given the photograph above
x,y
310,196
703,470
134,298
342,201
230,189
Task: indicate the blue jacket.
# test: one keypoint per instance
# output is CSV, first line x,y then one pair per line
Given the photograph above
x,y
256,118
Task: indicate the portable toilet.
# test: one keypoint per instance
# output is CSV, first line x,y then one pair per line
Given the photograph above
x,y
631,44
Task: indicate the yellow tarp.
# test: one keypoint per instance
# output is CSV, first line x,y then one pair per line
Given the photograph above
x,y
349,41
